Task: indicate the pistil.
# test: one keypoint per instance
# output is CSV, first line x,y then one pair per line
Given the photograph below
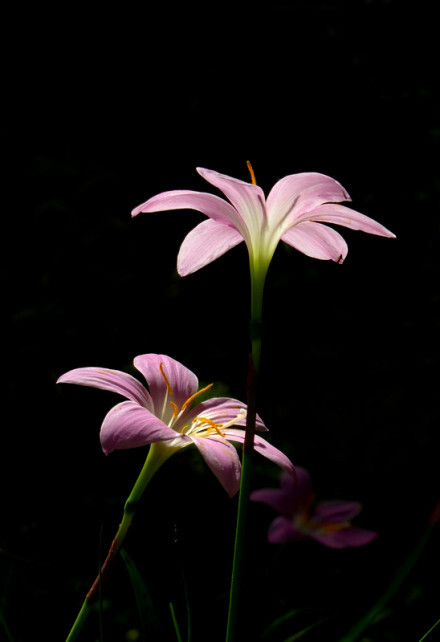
x,y
251,172
169,391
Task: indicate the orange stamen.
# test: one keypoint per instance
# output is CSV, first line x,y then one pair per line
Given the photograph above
x,y
331,527
210,423
170,390
251,172
182,429
175,409
190,399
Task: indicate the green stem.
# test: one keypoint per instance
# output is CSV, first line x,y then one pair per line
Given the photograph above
x,y
257,286
430,631
157,455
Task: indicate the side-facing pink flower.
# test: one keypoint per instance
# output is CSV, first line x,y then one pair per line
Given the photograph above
x,y
295,211
165,414
328,522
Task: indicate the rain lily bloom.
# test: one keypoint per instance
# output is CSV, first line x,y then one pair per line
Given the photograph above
x,y
328,522
165,415
295,211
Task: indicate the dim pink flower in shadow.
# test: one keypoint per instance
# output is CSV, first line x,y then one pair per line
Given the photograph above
x,y
165,416
296,211
328,522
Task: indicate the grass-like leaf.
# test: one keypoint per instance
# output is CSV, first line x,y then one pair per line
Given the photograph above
x,y
279,621
5,628
305,630
175,623
147,616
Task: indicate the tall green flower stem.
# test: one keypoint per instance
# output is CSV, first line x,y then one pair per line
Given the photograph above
x,y
258,275
157,455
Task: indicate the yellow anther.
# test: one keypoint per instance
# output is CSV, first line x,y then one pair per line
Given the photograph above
x,y
210,423
190,399
251,172
182,429
170,390
175,409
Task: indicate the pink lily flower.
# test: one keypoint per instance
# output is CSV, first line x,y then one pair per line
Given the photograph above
x,y
165,415
328,522
295,211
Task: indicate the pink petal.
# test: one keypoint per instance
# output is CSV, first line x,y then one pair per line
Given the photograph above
x,y
345,538
213,206
264,448
183,382
205,243
113,380
128,425
294,495
317,241
294,195
300,489
275,498
341,215
247,199
221,410
282,531
222,459
336,511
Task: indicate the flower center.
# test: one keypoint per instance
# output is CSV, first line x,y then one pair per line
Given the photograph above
x,y
307,524
204,426
329,527
177,412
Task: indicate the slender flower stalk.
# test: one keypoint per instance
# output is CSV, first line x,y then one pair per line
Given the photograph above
x,y
296,212
255,331
157,455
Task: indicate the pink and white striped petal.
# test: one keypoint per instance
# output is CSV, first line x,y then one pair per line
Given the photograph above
x,y
263,447
212,206
182,381
345,216
128,425
206,242
294,195
112,380
222,459
317,241
247,199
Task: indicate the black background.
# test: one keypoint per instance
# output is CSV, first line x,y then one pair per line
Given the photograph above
x,y
103,109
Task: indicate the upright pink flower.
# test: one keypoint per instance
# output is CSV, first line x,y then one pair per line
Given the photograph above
x,y
295,211
166,415
328,522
